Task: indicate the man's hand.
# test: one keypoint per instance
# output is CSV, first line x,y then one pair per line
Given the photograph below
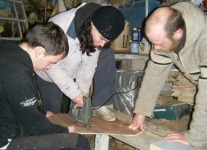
x,y
137,122
49,114
71,129
79,100
176,137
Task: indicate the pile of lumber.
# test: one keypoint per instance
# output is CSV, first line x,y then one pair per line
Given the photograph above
x,y
182,88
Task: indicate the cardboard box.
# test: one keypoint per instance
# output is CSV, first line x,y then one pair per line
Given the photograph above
x,y
122,43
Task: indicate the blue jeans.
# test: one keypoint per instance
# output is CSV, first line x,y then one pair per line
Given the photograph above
x,y
104,79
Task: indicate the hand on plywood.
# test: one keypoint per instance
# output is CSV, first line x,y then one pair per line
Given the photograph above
x,y
137,122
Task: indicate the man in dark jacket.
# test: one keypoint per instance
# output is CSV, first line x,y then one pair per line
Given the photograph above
x,y
21,118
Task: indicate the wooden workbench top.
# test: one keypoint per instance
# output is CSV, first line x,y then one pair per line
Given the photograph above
x,y
155,129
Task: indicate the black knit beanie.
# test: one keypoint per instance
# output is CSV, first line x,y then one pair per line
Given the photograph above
x,y
109,21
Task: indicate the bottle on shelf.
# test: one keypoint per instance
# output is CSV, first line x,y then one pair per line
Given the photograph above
x,y
135,41
134,47
135,35
144,47
139,35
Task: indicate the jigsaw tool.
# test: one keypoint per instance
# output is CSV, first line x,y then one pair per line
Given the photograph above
x,y
81,114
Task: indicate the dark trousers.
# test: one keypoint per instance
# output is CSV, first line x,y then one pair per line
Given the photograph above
x,y
60,141
104,79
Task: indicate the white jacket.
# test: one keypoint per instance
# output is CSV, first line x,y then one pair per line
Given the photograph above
x,y
75,66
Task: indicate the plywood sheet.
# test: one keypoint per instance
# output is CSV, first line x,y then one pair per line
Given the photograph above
x,y
96,126
140,141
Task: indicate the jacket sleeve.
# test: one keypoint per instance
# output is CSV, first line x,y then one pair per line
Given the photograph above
x,y
62,79
153,81
197,134
86,71
84,75
23,102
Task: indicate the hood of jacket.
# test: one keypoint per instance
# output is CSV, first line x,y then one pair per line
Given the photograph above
x,y
194,21
13,56
82,14
12,53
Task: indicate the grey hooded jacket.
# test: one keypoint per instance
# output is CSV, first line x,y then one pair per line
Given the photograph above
x,y
76,65
192,62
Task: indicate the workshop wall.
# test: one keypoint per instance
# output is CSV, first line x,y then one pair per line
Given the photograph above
x,y
36,11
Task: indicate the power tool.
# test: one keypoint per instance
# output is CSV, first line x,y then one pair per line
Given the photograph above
x,y
81,114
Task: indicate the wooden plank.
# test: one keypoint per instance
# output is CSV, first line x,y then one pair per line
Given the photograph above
x,y
186,99
140,141
172,78
162,100
159,130
183,93
155,130
131,56
96,126
183,89
163,127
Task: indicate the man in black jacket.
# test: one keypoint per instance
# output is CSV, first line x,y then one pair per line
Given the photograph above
x,y
21,118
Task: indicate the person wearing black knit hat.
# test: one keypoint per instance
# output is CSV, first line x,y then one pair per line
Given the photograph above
x,y
109,22
90,29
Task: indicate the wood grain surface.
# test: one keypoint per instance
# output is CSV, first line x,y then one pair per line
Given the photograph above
x,y
95,126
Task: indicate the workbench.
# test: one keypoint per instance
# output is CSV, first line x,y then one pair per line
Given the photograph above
x,y
155,130
132,61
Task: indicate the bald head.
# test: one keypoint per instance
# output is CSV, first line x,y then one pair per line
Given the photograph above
x,y
158,19
164,28
167,19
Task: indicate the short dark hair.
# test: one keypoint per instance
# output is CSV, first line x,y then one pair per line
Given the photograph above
x,y
174,22
86,40
50,36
